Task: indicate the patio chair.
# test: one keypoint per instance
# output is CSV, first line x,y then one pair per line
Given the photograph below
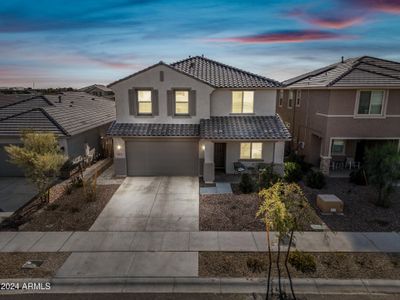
x,y
239,167
351,163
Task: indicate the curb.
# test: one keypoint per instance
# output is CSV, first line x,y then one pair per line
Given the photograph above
x,y
207,285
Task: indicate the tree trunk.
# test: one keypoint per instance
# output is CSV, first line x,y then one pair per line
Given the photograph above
x,y
269,264
279,267
286,264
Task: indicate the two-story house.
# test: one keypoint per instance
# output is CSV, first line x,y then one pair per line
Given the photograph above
x,y
194,116
335,113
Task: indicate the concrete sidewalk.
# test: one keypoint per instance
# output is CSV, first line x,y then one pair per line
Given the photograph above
x,y
307,286
193,241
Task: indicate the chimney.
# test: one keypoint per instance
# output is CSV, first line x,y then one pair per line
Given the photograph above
x,y
59,99
342,59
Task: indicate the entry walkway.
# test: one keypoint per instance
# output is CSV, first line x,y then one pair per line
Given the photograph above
x,y
193,241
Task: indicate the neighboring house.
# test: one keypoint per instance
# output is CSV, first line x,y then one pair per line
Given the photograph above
x,y
194,116
78,119
335,113
99,90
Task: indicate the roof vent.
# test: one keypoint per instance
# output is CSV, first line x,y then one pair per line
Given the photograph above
x,y
202,55
59,99
342,59
192,64
93,98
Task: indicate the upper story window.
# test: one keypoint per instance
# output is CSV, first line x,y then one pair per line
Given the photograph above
x,y
280,99
370,102
338,147
250,150
181,102
144,102
242,102
298,98
290,100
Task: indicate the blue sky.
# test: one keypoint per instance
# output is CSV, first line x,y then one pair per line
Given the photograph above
x,y
57,43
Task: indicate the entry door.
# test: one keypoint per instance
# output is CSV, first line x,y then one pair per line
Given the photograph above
x,y
219,155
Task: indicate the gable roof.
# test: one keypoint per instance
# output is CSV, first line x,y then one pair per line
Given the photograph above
x,y
213,73
359,71
94,86
76,113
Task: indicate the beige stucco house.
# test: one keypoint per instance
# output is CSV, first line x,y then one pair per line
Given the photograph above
x,y
194,116
335,113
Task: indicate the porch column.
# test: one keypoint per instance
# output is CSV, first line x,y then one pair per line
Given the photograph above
x,y
209,169
325,165
119,157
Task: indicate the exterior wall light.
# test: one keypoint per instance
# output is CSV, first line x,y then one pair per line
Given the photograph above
x,y
203,147
119,147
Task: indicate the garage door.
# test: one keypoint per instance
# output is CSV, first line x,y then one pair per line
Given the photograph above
x,y
7,169
162,157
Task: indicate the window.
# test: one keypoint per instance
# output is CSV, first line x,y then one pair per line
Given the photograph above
x,y
298,97
144,102
250,150
370,102
290,100
242,102
280,101
338,147
181,102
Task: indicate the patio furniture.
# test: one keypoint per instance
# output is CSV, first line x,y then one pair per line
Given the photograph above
x,y
329,203
351,163
338,163
239,167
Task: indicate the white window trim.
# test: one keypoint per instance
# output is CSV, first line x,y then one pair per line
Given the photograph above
x,y
298,98
382,115
241,113
344,147
280,98
291,92
251,152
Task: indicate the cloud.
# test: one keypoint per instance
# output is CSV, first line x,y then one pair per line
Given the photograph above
x,y
288,36
387,6
331,21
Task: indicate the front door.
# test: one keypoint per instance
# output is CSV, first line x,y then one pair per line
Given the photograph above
x,y
219,156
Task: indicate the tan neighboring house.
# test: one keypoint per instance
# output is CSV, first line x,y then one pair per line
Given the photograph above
x,y
335,113
193,117
99,90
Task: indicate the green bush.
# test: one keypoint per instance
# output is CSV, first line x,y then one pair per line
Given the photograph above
x,y
267,178
358,177
293,172
246,184
293,157
303,262
315,179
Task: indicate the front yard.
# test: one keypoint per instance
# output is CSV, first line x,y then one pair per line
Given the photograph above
x,y
328,265
236,212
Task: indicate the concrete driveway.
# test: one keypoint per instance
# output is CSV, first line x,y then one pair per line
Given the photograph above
x,y
152,204
15,192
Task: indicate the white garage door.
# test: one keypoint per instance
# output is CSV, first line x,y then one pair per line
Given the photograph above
x,y
162,157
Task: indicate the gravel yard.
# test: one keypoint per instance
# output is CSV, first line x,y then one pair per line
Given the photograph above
x,y
232,212
11,263
70,212
360,213
329,265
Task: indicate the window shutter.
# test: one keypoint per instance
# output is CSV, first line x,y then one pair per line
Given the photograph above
x,y
192,102
132,102
170,102
154,102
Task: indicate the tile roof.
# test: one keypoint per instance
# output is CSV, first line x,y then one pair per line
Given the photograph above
x,y
143,129
76,113
213,73
99,86
244,127
222,76
360,71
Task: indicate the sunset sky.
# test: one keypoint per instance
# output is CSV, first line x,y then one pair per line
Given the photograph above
x,y
59,43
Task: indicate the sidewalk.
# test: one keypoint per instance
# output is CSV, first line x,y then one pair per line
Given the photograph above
x,y
193,241
308,286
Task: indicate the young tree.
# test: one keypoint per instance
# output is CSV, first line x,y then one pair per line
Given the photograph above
x,y
285,209
39,157
382,164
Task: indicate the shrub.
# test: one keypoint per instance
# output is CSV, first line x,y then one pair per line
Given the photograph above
x,y
267,178
358,177
255,265
68,188
293,157
246,184
303,262
293,172
77,182
315,179
90,189
66,169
